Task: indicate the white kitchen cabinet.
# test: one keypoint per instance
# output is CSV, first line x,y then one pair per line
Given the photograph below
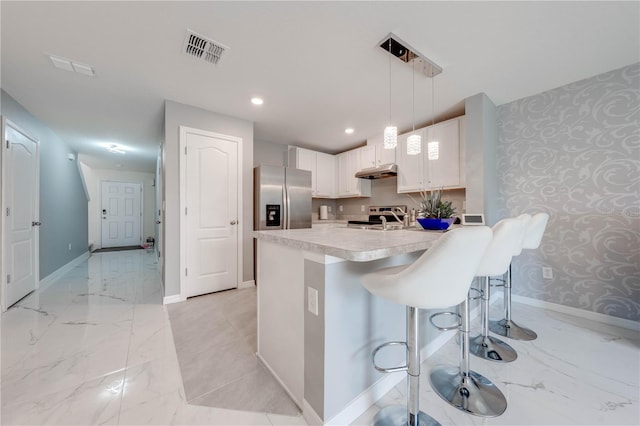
x,y
420,172
322,167
411,168
348,184
326,172
375,155
443,170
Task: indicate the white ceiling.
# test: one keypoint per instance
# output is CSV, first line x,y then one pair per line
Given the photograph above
x,y
316,64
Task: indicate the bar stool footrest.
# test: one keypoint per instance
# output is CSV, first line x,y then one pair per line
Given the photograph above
x,y
389,369
477,290
452,327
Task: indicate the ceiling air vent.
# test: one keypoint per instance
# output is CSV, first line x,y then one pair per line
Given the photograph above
x,y
203,48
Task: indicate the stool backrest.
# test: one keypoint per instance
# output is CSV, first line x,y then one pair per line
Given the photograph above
x,y
507,237
535,230
442,276
526,217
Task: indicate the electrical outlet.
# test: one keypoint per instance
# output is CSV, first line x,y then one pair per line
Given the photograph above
x,y
312,301
340,208
547,273
69,246
362,208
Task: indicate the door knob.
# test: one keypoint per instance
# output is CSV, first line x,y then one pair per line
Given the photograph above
x,y
36,223
158,222
233,222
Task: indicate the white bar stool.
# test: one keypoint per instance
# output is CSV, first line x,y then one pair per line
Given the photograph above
x,y
438,279
531,240
507,235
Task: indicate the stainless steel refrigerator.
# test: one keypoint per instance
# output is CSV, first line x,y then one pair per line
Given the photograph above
x,y
282,198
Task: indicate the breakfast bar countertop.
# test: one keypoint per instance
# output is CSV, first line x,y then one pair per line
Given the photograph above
x,y
356,245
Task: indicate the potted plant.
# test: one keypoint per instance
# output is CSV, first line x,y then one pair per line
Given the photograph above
x,y
433,212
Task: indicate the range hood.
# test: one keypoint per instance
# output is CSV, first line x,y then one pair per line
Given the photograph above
x,y
383,171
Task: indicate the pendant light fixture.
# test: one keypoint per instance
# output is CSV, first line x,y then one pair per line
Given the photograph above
x,y
433,147
414,142
390,132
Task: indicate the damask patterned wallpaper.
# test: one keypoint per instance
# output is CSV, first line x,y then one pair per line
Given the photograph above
x,y
574,152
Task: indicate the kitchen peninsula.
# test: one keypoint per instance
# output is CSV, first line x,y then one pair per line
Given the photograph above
x,y
317,325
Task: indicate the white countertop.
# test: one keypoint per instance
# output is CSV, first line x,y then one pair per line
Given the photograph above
x,y
357,245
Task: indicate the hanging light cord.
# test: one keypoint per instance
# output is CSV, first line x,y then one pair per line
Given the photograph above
x,y
389,81
433,101
413,95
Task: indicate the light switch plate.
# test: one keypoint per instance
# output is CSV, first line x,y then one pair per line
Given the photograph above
x,y
312,301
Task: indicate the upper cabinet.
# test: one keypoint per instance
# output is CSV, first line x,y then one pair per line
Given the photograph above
x,y
411,173
322,167
349,163
375,155
441,162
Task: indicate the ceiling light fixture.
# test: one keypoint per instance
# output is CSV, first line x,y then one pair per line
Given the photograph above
x,y
257,101
390,132
349,131
414,142
433,147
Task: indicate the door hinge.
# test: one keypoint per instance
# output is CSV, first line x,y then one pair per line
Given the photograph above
x,y
185,210
185,150
8,279
7,143
8,211
186,272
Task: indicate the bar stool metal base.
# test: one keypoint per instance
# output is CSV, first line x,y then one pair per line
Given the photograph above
x,y
510,329
396,415
492,349
473,394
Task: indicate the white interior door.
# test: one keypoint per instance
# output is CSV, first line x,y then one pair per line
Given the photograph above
x,y
21,223
159,213
121,214
210,188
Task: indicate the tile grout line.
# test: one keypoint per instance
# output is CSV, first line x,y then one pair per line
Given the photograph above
x,y
126,363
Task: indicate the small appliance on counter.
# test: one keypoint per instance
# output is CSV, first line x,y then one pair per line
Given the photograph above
x,y
394,218
282,198
324,213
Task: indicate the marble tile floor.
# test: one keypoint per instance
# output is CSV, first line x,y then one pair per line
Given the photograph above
x,y
96,347
578,372
215,338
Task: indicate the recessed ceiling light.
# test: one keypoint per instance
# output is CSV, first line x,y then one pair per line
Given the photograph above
x,y
257,101
348,130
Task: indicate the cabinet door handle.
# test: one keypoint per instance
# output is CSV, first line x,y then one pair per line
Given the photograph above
x,y
36,223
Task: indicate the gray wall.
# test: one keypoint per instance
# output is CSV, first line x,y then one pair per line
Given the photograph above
x,y
271,154
574,153
481,174
63,203
177,115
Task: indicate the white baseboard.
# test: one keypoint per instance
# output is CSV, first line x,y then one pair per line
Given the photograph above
x,y
275,376
310,416
580,313
58,273
175,298
247,284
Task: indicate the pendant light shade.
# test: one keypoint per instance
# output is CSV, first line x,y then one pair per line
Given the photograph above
x,y
414,145
390,137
